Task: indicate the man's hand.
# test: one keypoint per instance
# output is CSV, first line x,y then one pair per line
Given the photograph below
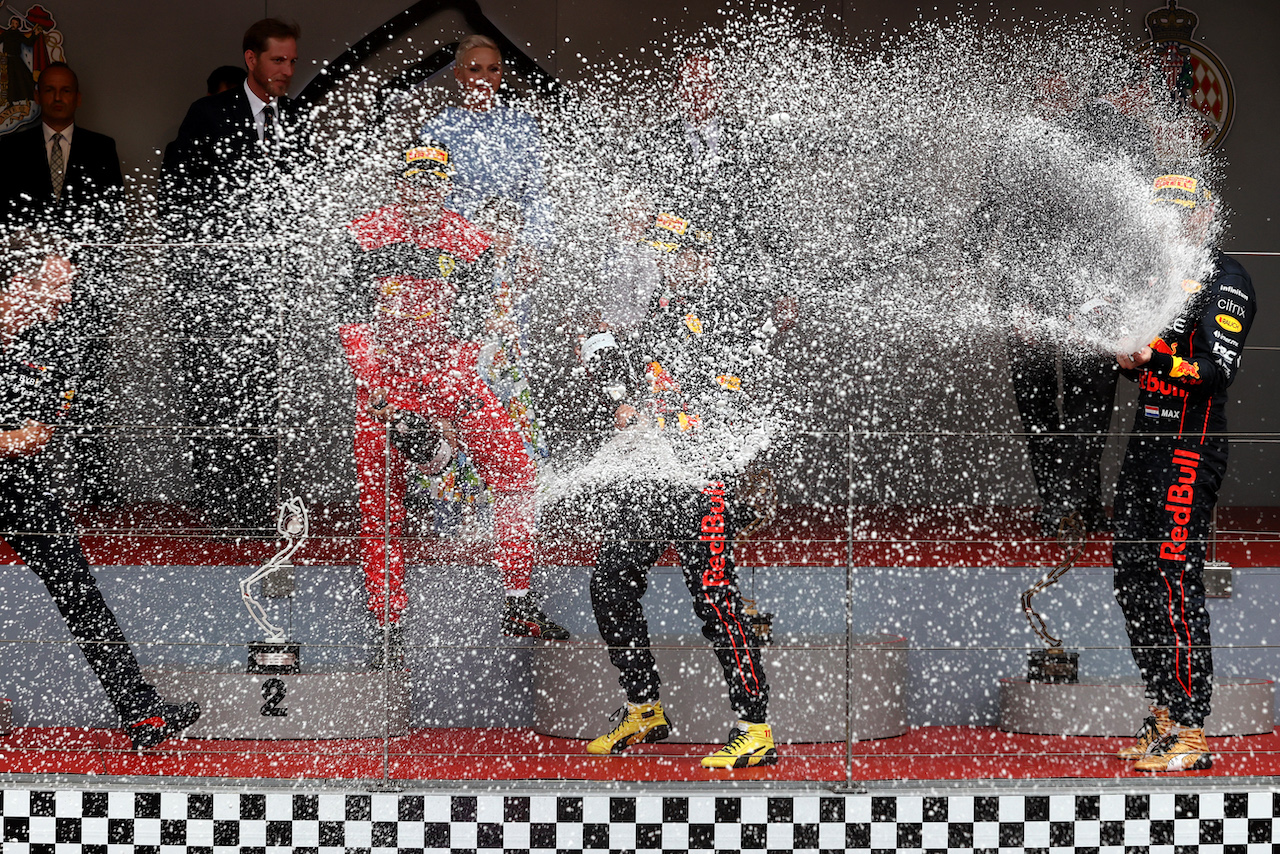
x,y
26,441
381,407
450,434
1133,361
625,416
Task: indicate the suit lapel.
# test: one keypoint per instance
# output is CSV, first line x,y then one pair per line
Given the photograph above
x,y
76,156
40,160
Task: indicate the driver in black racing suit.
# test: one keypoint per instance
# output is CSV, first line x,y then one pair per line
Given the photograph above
x,y
1168,486
690,390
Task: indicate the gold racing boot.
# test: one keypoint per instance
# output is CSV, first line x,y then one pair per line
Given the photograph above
x,y
1179,750
1157,725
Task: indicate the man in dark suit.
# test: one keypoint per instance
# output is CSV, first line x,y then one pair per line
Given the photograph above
x,y
65,179
702,165
83,163
229,138
221,186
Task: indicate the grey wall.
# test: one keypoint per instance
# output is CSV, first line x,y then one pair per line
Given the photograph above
x,y
964,628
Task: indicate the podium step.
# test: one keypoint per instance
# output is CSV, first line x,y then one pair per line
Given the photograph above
x,y
336,704
1241,706
576,688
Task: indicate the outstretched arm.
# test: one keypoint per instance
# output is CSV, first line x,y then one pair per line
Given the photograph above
x,y
26,441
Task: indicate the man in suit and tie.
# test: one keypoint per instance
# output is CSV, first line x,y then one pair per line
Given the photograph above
x,y
704,164
61,176
686,159
221,179
237,132
65,179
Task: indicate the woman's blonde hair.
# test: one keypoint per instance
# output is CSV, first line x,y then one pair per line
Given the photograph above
x,y
472,42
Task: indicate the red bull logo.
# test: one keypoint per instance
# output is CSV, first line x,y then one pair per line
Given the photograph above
x,y
660,378
694,323
712,533
1178,501
1148,381
1185,370
1161,346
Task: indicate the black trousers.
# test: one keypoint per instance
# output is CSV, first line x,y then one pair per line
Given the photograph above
x,y
1164,510
36,526
646,518
1065,446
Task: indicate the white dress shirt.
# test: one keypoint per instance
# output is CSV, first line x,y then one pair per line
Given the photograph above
x,y
256,106
66,141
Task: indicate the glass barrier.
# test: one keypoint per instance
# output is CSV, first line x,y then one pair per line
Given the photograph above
x,y
901,610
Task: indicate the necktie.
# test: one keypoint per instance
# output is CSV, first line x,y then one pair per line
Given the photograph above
x,y
268,124
57,166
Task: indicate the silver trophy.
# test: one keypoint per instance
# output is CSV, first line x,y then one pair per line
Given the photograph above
x,y
1055,664
276,653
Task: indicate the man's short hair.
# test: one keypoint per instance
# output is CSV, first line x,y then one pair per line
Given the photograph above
x,y
472,42
256,37
75,78
229,76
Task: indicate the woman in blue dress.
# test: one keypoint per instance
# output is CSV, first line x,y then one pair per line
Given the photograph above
x,y
496,148
497,157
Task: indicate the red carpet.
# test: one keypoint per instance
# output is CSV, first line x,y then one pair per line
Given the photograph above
x,y
168,535
929,753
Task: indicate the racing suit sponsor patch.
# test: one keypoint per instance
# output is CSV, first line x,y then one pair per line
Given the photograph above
x,y
1229,323
672,223
1178,500
712,534
729,382
1183,368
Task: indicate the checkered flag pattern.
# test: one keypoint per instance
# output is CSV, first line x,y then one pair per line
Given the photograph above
x,y
149,822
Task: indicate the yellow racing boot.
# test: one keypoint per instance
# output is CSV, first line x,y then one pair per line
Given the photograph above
x,y
748,745
1157,725
640,724
1180,750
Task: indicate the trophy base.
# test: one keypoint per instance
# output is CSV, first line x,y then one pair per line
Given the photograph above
x,y
267,657
1053,665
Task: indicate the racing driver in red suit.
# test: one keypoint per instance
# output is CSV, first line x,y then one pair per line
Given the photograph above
x,y
1173,467
426,271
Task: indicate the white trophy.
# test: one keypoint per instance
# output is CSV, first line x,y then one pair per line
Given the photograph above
x,y
276,654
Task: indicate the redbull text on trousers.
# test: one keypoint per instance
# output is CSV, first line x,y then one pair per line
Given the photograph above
x,y
713,534
1178,503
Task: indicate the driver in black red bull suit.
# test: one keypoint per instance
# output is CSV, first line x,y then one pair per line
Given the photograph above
x,y
690,389
35,283
1168,486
